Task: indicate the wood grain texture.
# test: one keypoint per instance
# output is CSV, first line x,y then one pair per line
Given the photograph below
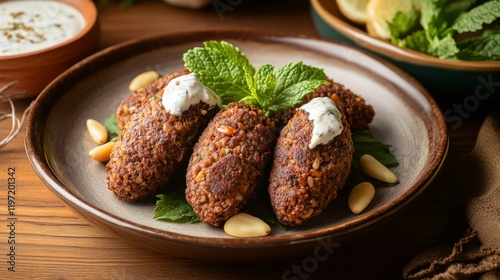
x,y
54,243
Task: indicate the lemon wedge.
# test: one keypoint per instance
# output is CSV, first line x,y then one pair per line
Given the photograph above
x,y
379,12
354,10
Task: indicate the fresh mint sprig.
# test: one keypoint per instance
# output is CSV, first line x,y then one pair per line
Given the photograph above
x,y
226,70
435,29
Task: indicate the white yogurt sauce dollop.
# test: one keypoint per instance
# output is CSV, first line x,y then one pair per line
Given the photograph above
x,y
327,120
27,26
184,91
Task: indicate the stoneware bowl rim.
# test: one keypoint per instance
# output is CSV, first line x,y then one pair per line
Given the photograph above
x,y
390,50
90,11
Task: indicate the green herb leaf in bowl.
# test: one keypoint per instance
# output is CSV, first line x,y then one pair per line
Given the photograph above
x,y
438,27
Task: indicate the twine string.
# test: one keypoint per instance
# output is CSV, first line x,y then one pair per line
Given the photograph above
x,y
16,123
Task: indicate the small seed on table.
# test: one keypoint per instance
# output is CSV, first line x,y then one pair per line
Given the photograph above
x,y
142,80
246,225
97,131
373,168
102,153
360,197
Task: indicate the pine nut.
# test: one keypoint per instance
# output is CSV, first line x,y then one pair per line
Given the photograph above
x,y
246,225
316,163
336,99
97,131
238,197
360,197
102,153
373,168
316,173
226,130
142,80
308,214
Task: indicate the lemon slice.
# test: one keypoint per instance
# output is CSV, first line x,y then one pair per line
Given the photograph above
x,y
354,10
379,12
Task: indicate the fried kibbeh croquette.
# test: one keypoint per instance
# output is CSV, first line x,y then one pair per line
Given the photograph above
x,y
358,114
151,148
136,99
230,162
304,180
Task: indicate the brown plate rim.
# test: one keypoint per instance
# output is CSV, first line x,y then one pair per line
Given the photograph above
x,y
37,155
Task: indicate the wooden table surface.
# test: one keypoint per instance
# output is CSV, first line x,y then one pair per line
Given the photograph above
x,y
54,243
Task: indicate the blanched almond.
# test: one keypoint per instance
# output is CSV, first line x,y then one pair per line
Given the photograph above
x,y
142,80
97,131
360,197
373,168
102,153
246,225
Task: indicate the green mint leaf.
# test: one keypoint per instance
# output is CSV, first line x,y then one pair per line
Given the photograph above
x,y
111,125
265,81
439,35
443,48
455,8
485,47
403,23
173,207
231,53
433,20
221,67
415,41
226,70
431,13
294,81
477,17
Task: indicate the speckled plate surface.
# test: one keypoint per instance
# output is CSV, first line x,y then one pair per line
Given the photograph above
x,y
57,142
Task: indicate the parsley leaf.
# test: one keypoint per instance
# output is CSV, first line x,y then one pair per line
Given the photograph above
x,y
365,143
173,207
268,214
111,125
227,71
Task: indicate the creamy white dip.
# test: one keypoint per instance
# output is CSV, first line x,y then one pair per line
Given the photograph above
x,y
184,91
27,26
327,120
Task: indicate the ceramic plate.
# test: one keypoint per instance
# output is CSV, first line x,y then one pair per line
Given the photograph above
x,y
57,142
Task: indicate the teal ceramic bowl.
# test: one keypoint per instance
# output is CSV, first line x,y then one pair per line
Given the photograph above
x,y
446,80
